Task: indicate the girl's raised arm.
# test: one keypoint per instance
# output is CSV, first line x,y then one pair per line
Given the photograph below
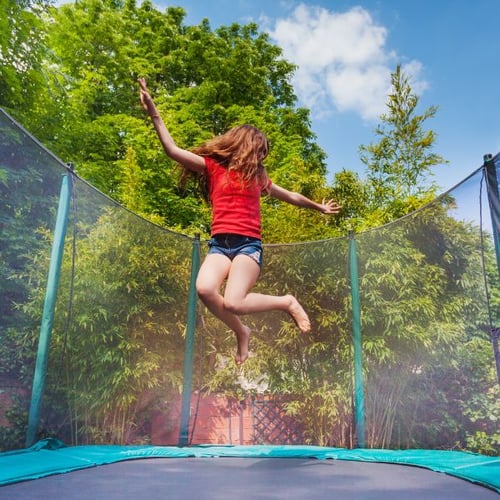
x,y
186,158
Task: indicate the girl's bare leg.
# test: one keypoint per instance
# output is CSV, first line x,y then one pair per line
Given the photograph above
x,y
211,275
243,274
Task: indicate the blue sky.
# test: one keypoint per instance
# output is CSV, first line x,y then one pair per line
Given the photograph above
x,y
346,50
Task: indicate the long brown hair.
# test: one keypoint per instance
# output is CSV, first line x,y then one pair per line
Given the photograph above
x,y
241,149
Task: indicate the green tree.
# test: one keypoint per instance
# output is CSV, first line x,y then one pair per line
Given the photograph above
x,y
22,50
352,193
399,165
204,81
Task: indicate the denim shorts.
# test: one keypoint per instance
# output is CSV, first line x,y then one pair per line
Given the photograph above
x,y
232,245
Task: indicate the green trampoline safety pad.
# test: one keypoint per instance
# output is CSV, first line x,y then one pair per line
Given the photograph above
x,y
51,456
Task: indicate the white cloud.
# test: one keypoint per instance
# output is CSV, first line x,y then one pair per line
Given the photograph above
x,y
342,58
362,89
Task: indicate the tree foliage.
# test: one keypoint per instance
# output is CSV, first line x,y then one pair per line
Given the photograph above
x,y
204,82
399,165
22,52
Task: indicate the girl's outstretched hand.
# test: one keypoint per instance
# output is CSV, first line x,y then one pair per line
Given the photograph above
x,y
330,207
146,100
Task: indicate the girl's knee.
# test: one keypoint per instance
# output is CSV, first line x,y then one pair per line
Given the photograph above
x,y
233,306
204,291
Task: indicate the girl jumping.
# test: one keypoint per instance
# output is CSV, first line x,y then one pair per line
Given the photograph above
x,y
232,165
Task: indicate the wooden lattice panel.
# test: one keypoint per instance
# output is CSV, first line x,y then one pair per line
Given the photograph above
x,y
271,424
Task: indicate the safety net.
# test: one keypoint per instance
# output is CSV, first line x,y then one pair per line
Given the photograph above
x,y
403,352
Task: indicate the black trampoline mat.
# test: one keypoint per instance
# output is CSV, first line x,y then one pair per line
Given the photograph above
x,y
248,478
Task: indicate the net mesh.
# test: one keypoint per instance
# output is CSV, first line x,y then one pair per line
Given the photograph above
x,y
428,287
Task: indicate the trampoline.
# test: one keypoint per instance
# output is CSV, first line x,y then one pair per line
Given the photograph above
x,y
51,470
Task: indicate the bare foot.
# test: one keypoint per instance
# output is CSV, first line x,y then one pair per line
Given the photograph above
x,y
243,341
299,315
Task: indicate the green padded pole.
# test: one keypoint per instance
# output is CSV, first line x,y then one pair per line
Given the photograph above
x,y
48,310
359,399
189,346
494,202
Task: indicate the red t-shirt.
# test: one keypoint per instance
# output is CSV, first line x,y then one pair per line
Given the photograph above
x,y
235,207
